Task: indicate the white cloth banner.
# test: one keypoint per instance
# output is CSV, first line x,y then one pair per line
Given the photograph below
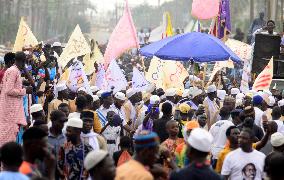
x,y
115,78
101,78
139,81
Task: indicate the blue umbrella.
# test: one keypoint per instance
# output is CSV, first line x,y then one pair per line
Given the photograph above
x,y
194,46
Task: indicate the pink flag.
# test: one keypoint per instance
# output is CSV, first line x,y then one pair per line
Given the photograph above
x,y
122,38
205,9
264,79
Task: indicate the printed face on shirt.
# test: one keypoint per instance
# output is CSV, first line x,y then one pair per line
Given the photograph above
x,y
249,172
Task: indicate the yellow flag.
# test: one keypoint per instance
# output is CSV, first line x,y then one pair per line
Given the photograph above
x,y
167,24
76,46
174,75
89,60
24,37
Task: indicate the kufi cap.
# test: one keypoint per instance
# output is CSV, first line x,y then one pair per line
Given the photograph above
x,y
257,100
121,96
105,94
130,92
200,140
36,108
95,97
94,89
61,87
86,115
185,93
93,158
211,88
240,96
277,139
184,108
99,93
239,102
56,44
194,91
154,99
74,122
170,92
235,91
281,103
82,89
146,139
221,94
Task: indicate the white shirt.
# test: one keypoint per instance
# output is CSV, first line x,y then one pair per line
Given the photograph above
x,y
258,116
239,164
218,131
104,112
280,125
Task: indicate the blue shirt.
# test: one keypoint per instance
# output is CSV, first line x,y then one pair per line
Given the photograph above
x,y
7,175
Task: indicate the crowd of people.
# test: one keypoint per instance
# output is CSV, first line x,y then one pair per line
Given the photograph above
x,y
49,132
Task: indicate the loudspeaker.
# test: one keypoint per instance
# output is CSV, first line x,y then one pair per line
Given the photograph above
x,y
265,47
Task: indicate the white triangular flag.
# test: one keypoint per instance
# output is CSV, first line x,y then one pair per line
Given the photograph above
x,y
101,78
139,81
115,78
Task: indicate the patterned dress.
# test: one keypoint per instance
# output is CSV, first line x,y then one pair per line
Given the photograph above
x,y
71,160
11,105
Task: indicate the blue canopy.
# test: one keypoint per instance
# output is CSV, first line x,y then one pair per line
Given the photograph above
x,y
199,47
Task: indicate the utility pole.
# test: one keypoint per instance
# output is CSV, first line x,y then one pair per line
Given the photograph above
x,y
251,10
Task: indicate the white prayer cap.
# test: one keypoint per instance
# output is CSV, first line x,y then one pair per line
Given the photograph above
x,y
277,139
240,96
271,101
211,88
267,92
154,99
56,44
185,93
163,97
281,103
99,93
94,89
36,108
200,140
194,91
120,96
82,89
93,158
239,102
95,97
61,87
235,91
221,94
130,92
170,92
74,122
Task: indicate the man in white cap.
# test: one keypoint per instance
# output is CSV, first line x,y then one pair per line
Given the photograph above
x,y
234,92
199,145
73,152
37,113
57,49
94,89
171,96
196,97
60,97
210,104
129,106
244,162
100,165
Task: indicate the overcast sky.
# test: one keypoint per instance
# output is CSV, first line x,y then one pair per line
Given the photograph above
x,y
105,5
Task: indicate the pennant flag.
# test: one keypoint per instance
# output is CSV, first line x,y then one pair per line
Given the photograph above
x,y
115,78
155,73
156,34
101,78
139,81
205,9
123,37
243,50
264,79
167,25
76,46
25,37
78,78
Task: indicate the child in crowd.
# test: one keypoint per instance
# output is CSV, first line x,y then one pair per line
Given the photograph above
x,y
125,152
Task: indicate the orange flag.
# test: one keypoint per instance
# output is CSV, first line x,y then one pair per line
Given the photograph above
x,y
123,37
264,79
